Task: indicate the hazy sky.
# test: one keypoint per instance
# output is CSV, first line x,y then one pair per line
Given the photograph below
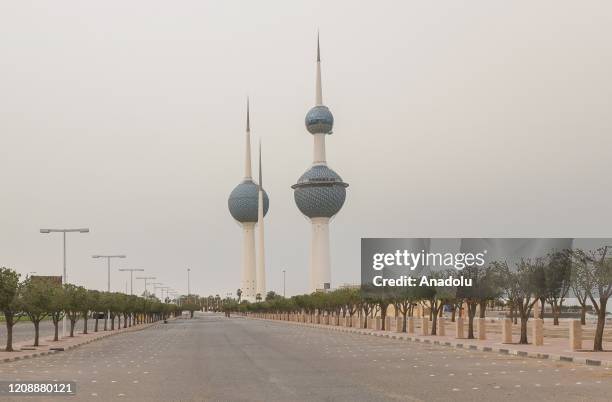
x,y
479,118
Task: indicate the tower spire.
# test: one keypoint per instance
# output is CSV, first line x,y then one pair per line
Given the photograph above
x,y
247,162
319,96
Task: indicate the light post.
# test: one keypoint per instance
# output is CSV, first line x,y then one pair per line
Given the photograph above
x,y
108,259
64,277
145,278
284,282
162,292
188,287
155,287
131,277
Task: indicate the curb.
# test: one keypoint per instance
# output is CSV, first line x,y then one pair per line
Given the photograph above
x,y
459,344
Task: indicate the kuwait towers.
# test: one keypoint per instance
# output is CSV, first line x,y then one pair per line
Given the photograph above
x,y
244,206
320,192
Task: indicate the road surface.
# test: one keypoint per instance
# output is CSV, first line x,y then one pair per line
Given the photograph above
x,y
215,358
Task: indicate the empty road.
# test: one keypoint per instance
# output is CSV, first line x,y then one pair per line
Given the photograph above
x,y
215,358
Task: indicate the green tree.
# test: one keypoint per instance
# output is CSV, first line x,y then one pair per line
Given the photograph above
x,y
35,302
594,273
56,307
95,301
76,298
9,302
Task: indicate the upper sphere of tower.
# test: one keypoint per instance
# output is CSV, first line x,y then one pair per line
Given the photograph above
x,y
319,120
244,201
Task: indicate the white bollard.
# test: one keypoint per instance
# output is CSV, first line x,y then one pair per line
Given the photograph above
x,y
575,335
459,327
507,330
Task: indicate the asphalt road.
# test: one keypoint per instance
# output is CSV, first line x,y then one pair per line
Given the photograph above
x,y
214,358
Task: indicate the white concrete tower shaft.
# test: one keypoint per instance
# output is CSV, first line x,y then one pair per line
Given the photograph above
x,y
248,283
261,257
320,261
319,157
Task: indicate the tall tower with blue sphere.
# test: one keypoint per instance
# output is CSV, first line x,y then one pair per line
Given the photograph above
x,y
320,192
243,205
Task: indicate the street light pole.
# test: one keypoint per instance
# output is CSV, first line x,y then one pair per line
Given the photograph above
x,y
284,274
108,260
131,277
188,287
145,281
64,277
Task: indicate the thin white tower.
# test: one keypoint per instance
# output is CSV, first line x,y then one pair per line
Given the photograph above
x,y
320,192
261,257
243,206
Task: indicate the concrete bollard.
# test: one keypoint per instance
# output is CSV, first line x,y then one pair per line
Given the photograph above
x,y
399,324
507,330
575,335
388,323
538,332
536,310
441,330
424,326
481,328
410,325
459,328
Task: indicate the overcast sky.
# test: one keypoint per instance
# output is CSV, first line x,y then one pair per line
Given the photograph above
x,y
479,118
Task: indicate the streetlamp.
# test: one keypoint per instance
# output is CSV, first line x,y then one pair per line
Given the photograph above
x,y
108,259
155,287
188,288
131,276
146,278
64,277
284,282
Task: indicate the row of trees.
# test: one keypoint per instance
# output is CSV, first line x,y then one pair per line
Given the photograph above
x,y
517,287
39,298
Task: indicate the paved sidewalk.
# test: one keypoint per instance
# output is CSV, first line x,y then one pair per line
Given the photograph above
x,y
25,350
553,348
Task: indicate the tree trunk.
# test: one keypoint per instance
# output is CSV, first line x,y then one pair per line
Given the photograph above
x,y
36,332
72,323
85,323
56,333
471,314
523,340
9,333
483,308
556,310
404,322
96,324
583,311
106,321
125,320
453,314
112,320
601,322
